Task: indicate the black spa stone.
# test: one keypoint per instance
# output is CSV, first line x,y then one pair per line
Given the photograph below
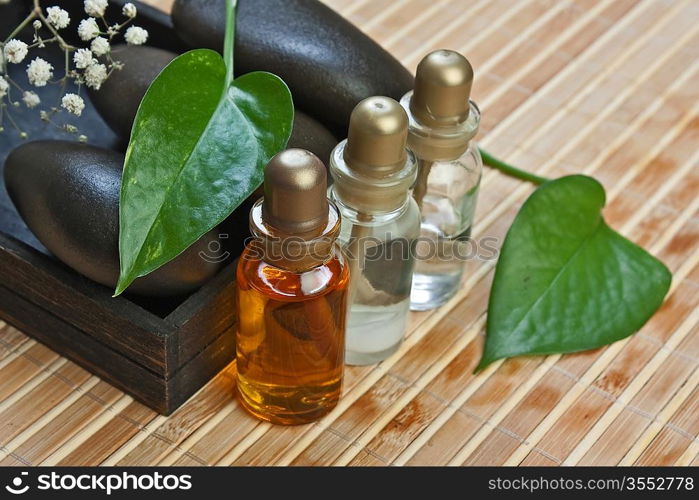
x,y
68,195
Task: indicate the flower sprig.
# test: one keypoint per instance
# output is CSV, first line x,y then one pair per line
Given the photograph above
x,y
88,66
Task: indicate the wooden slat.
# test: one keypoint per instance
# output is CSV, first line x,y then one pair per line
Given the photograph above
x,y
109,432
620,436
604,87
168,432
679,414
480,20
11,340
70,417
679,433
37,404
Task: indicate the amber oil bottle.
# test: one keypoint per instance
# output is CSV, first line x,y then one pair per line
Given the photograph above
x,y
292,301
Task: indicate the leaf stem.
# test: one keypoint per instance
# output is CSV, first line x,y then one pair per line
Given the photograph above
x,y
507,169
229,41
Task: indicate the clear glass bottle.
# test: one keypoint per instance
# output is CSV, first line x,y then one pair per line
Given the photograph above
x,y
443,122
373,174
293,286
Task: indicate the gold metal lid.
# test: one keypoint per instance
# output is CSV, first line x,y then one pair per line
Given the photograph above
x,y
295,225
295,201
372,169
442,118
442,89
378,131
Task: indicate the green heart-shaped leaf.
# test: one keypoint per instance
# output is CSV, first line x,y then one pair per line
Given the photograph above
x,y
197,150
565,280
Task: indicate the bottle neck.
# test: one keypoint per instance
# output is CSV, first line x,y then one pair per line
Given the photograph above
x,y
293,252
371,195
440,143
355,216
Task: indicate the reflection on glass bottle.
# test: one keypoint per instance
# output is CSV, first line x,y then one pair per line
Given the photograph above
x,y
373,174
443,123
293,285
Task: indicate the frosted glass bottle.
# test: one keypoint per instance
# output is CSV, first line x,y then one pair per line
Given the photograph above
x,y
373,173
442,124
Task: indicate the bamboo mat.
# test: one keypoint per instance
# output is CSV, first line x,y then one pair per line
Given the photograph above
x,y
604,87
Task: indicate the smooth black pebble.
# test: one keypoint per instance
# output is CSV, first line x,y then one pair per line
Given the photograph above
x,y
118,99
68,195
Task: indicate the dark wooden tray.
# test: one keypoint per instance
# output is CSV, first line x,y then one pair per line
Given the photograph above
x,y
159,351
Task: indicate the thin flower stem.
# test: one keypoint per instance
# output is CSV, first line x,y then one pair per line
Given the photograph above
x,y
32,15
13,122
507,169
41,42
64,80
118,28
14,83
229,42
61,42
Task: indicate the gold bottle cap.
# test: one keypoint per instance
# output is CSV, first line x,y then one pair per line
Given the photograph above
x,y
442,118
295,200
442,89
378,132
372,169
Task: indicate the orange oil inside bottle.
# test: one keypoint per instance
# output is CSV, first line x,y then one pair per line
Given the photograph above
x,y
291,339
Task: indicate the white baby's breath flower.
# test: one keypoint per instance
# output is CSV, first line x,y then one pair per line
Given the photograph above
x,y
15,51
95,8
83,58
129,10
39,72
58,17
73,103
4,86
100,46
37,24
88,29
95,75
136,36
31,99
